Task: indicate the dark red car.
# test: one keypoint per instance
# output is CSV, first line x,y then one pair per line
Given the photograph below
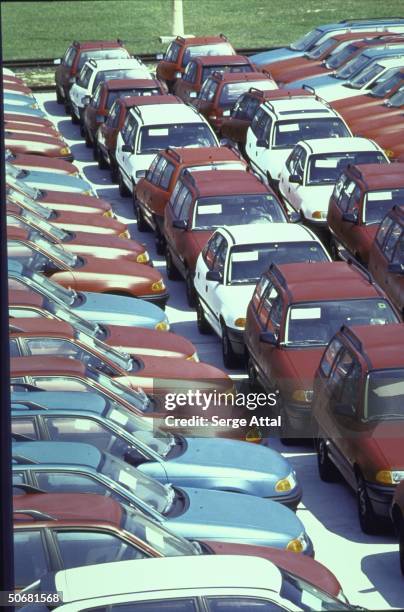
x,y
383,118
31,162
358,411
295,310
107,92
200,68
49,146
27,129
153,191
361,198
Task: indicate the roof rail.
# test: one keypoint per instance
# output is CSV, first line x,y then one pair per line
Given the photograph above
x,y
28,488
119,41
92,61
173,153
28,405
266,72
309,88
181,38
273,268
255,90
22,459
187,174
347,331
364,271
76,43
35,514
14,328
223,36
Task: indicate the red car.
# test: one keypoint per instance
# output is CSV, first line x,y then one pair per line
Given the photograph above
x,y
200,68
182,50
358,411
36,162
49,146
397,517
294,312
391,139
64,520
361,198
383,118
27,129
204,200
153,191
96,111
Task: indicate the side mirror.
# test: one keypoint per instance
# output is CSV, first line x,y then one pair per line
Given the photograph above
x,y
350,217
268,338
261,142
159,57
86,100
295,178
395,268
193,94
294,217
57,61
127,148
180,224
343,410
214,275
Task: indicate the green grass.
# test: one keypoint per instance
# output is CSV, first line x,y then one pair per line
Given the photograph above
x,y
45,29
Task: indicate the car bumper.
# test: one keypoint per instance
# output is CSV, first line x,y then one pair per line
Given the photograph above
x,y
380,497
236,338
159,299
292,499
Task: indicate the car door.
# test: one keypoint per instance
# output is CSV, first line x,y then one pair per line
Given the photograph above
x,y
127,164
294,187
258,142
210,292
106,129
91,110
31,558
389,266
63,71
186,84
183,250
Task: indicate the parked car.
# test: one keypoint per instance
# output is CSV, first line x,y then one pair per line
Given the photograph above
x,y
200,68
203,201
294,312
88,272
48,146
104,309
153,191
26,128
250,469
221,91
308,176
230,266
105,95
357,410
386,257
397,514
154,124
180,51
76,55
34,162
391,139
94,72
189,512
381,119
280,124
43,179
361,198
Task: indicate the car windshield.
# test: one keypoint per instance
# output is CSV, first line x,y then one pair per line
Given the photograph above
x,y
384,395
118,73
38,281
365,76
314,323
307,41
236,209
68,315
143,430
160,539
68,259
398,98
102,54
319,50
383,87
32,257
16,197
28,219
119,358
219,48
232,91
248,262
326,168
209,70
352,67
288,133
138,399
339,56
23,187
306,596
133,91
157,137
150,491
379,203
14,171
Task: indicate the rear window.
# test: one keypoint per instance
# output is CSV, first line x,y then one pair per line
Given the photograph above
x,y
121,93
102,54
232,91
379,203
118,73
208,70
288,133
157,137
215,211
222,48
324,169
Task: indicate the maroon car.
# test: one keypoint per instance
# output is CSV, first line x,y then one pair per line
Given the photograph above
x,y
38,144
36,162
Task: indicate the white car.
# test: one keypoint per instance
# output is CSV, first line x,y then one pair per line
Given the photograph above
x,y
215,583
94,72
280,124
308,176
229,267
154,125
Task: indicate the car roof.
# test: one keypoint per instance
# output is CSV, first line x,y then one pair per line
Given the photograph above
x,y
224,182
391,63
40,326
295,106
282,93
44,365
61,400
389,48
129,101
126,62
382,344
96,44
270,232
157,114
58,453
114,84
168,574
307,283
345,144
378,176
190,155
200,40
218,60
24,298
68,506
239,77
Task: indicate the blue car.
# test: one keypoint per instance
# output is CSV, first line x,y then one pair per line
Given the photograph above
x,y
96,308
17,109
43,179
206,463
198,514
19,99
317,36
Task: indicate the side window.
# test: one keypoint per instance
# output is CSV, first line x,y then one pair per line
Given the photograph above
x,y
341,368
383,230
275,316
158,169
266,129
262,126
239,109
392,241
179,200
152,167
166,176
292,160
49,383
14,350
342,179
259,291
190,72
329,357
24,426
241,604
52,346
186,207
127,128
65,482
211,249
398,257
133,133
97,97
351,387
220,260
300,163
256,121
69,57
171,605
354,201
251,108
174,196
266,304
30,557
113,116
345,195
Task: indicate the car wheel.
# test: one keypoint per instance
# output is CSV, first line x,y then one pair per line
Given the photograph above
x,y
59,97
102,164
87,138
334,250
114,171
203,325
160,243
230,359
326,469
75,120
190,290
401,545
172,272
142,226
252,374
123,190
367,517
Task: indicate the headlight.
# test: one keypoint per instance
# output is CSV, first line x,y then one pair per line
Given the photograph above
x,y
240,322
125,234
299,544
34,105
389,153
143,258
286,484
162,326
108,213
64,151
193,357
303,395
392,477
319,214
158,286
88,192
140,174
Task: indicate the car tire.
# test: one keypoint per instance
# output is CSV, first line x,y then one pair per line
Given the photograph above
x,y
367,517
87,138
203,326
142,226
334,250
252,374
59,97
326,469
123,190
75,120
230,359
114,171
190,290
172,272
160,242
102,164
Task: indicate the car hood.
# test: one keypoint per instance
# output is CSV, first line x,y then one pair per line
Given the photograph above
x,y
274,55
304,363
58,182
148,342
197,240
316,197
239,296
134,272
17,109
116,309
387,439
318,81
246,519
